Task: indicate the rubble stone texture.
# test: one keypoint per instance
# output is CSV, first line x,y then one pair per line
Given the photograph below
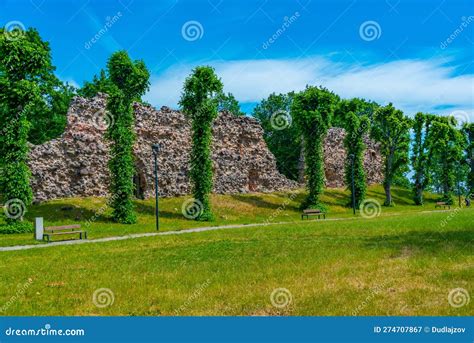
x,y
75,164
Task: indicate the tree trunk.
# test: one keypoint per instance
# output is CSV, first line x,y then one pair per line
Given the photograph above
x,y
388,194
388,178
301,178
418,189
419,195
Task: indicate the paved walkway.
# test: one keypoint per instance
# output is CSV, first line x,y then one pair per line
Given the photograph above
x,y
165,233
149,234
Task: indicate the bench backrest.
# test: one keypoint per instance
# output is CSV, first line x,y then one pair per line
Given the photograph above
x,y
61,228
440,203
311,211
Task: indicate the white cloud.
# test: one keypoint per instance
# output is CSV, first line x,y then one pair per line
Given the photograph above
x,y
412,85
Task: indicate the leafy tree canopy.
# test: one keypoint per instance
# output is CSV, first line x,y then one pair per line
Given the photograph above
x,y
26,56
227,102
280,133
99,84
447,148
356,106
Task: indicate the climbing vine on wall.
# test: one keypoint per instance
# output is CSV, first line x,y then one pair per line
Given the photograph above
x,y
130,80
312,110
356,128
199,101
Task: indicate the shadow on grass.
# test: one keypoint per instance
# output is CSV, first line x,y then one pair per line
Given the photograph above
x,y
258,201
56,212
337,198
146,209
426,241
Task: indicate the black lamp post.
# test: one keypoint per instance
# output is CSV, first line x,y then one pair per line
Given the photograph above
x,y
156,149
352,157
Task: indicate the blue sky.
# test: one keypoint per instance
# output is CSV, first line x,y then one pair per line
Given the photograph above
x,y
417,54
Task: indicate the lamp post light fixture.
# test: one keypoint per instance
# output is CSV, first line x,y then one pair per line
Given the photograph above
x,y
156,149
352,157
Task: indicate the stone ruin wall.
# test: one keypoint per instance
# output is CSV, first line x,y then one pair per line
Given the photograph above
x,y
75,164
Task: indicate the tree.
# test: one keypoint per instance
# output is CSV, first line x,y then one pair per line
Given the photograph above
x,y
360,107
227,102
199,102
421,157
391,128
130,80
447,147
282,137
25,60
98,84
469,132
354,116
49,117
312,111
356,129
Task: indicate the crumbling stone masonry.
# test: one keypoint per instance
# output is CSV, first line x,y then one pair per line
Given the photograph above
x,y
75,164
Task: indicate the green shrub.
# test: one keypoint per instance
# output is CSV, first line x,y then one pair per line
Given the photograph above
x,y
16,227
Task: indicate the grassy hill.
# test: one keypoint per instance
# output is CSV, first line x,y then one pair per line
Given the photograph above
x,y
94,215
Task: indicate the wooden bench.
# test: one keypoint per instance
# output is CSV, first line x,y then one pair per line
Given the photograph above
x,y
63,230
442,204
307,213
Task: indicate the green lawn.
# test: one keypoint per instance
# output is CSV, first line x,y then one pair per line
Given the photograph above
x,y
404,262
94,215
